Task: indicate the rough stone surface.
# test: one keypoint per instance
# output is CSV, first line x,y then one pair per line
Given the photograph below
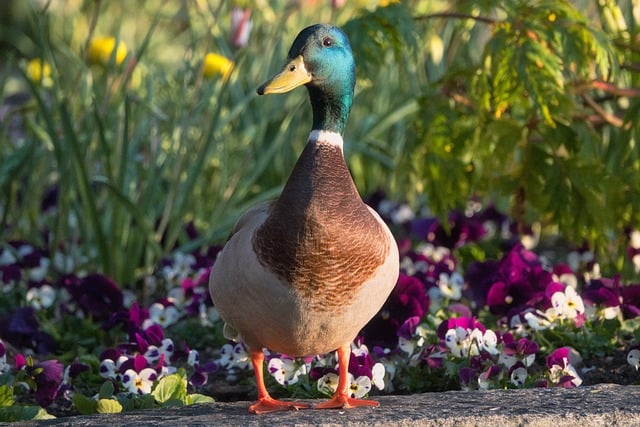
x,y
599,405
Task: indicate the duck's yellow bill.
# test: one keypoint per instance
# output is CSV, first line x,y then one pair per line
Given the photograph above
x,y
291,76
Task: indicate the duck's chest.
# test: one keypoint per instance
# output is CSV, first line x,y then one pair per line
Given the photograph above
x,y
320,238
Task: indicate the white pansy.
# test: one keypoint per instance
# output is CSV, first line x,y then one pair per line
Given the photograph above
x,y
633,358
42,297
139,382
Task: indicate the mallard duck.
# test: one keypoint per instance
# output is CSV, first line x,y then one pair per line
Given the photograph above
x,y
303,274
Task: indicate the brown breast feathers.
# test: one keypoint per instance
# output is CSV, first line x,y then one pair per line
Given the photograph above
x,y
320,237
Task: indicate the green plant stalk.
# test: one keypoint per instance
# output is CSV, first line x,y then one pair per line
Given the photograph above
x,y
83,182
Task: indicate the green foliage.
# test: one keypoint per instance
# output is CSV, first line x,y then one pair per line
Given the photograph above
x,y
6,395
170,390
23,413
530,104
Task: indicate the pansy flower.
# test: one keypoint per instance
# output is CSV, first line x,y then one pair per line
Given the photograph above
x,y
408,299
48,378
520,281
234,356
22,329
458,341
461,229
286,370
518,374
561,371
564,274
534,319
41,297
450,286
467,377
565,300
602,300
328,383
109,368
163,315
4,366
96,295
360,386
633,250
200,372
515,351
177,268
73,370
139,382
633,358
362,364
491,373
408,337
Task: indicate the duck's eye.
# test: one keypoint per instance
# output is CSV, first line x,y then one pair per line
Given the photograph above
x,y
327,42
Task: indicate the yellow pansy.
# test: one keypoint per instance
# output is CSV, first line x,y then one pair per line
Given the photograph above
x,y
100,50
39,72
215,65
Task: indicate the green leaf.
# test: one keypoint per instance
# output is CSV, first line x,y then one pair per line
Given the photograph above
x,y
198,398
106,390
108,406
171,387
22,413
6,396
631,327
85,405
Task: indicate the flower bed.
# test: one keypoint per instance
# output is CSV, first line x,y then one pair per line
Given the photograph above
x,y
107,148
459,318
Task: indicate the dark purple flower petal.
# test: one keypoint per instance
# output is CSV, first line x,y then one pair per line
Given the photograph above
x,y
408,299
319,372
154,334
23,322
408,328
554,287
20,361
48,381
198,378
76,368
139,363
559,357
96,295
466,375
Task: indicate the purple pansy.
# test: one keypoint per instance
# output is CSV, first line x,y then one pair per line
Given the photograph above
x,y
96,295
408,299
48,377
561,371
461,229
21,328
520,281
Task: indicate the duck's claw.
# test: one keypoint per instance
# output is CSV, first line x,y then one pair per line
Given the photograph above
x,y
340,400
268,404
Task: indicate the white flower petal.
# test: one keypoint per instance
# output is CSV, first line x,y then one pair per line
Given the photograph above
x,y
377,373
633,358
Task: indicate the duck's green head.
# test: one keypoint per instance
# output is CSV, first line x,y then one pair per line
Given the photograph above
x,y
321,59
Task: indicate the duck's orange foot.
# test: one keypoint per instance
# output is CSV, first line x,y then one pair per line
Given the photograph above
x,y
339,401
269,404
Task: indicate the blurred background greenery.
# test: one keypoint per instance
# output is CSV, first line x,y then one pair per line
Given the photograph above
x,y
106,154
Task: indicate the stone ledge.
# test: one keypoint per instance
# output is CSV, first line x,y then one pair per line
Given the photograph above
x,y
599,405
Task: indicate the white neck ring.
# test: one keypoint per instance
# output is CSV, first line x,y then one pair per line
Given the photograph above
x,y
329,137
